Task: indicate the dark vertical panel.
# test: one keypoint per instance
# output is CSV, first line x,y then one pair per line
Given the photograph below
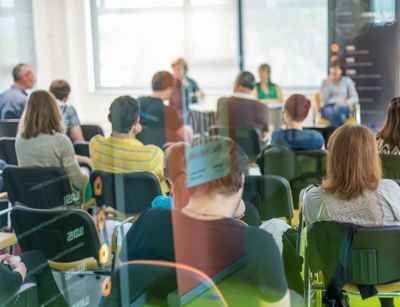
x,y
240,33
371,53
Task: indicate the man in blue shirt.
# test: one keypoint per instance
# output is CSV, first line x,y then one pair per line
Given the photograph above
x,y
13,100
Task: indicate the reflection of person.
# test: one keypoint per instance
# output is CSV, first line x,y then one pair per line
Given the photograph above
x,y
122,152
338,93
209,220
13,100
164,120
353,191
192,90
34,268
41,140
388,137
267,91
294,137
242,109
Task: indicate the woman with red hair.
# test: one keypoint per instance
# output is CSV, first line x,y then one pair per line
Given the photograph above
x,y
294,137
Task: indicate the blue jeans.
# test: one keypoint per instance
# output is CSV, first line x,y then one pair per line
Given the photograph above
x,y
335,113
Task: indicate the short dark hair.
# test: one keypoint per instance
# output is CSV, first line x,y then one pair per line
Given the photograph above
x,y
124,112
20,70
340,65
246,79
60,89
161,81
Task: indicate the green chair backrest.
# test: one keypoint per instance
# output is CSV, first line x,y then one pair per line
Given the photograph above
x,y
271,195
391,166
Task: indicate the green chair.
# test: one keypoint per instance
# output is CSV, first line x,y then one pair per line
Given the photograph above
x,y
271,196
300,168
391,166
373,259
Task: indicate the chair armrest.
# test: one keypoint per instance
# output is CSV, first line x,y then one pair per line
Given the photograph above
x,y
3,195
114,238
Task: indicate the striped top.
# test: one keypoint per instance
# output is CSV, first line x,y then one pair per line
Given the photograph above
x,y
116,155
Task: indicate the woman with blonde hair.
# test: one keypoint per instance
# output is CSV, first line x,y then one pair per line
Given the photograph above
x,y
353,190
41,140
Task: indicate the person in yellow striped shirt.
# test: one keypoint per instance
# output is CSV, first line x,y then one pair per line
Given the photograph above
x,y
122,152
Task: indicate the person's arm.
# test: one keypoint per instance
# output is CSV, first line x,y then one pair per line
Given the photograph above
x,y
70,164
312,206
158,168
280,93
11,276
390,191
76,134
325,92
352,93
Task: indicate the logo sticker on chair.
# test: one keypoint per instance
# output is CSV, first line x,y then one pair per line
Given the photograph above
x,y
100,220
104,254
98,186
106,287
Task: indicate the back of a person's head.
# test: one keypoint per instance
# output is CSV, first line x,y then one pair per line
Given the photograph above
x,y
230,162
41,115
20,70
353,164
390,131
297,107
161,81
246,79
60,89
124,112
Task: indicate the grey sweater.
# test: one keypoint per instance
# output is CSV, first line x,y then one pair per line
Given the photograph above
x,y
51,150
344,90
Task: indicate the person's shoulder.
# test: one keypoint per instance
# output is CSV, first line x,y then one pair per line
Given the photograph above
x,y
60,138
156,216
347,80
98,138
153,148
388,184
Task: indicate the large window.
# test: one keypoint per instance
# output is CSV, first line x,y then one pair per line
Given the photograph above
x,y
16,29
134,38
291,36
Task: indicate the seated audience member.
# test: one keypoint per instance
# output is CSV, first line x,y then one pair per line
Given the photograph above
x,y
41,140
388,137
122,152
353,190
61,89
159,117
242,109
190,87
31,268
294,137
267,91
13,100
175,172
210,220
338,94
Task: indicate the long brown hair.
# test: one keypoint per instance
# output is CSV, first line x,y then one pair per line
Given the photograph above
x,y
175,171
390,131
353,162
41,115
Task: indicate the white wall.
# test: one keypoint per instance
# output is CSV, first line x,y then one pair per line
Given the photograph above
x,y
63,49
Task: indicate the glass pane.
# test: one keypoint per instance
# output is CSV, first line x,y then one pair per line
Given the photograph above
x,y
291,36
132,47
17,31
142,3
6,3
